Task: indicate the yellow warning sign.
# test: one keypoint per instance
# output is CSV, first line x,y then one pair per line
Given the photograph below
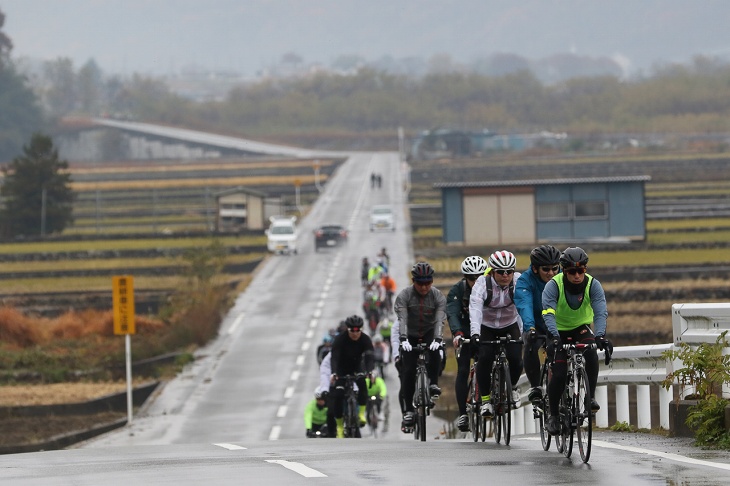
x,y
123,295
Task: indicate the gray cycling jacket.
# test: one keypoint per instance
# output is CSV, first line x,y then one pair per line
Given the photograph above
x,y
421,317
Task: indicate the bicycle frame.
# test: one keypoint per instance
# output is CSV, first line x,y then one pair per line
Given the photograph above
x,y
421,397
576,417
501,392
477,423
351,419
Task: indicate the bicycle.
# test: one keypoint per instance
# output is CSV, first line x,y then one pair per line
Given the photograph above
x,y
351,419
477,423
372,410
422,403
541,407
501,394
576,417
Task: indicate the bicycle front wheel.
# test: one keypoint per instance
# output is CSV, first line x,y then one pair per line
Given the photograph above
x,y
472,409
507,405
583,418
566,423
543,410
497,384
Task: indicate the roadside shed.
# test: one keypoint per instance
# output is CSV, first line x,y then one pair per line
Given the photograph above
x,y
240,208
498,213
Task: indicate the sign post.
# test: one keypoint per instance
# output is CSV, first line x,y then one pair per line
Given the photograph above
x,y
123,309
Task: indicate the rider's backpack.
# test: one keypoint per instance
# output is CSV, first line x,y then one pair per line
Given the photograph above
x,y
490,291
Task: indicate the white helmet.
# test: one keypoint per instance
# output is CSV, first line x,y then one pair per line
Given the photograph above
x,y
502,260
473,265
318,393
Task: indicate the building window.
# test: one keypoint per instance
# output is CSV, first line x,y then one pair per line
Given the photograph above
x,y
553,211
591,210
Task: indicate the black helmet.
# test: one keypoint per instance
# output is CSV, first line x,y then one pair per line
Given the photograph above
x,y
574,257
544,255
354,321
422,272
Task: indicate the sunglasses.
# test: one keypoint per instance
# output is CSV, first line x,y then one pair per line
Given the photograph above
x,y
576,271
472,278
550,269
423,283
504,272
354,329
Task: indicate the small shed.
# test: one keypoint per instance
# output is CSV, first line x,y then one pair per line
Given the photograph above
x,y
534,211
240,208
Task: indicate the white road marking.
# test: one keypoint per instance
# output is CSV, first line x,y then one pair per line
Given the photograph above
x,y
320,304
289,392
309,333
275,432
313,323
298,468
294,375
300,359
306,345
665,455
323,295
281,413
235,324
317,313
230,447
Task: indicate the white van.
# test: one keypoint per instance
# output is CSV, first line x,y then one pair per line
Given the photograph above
x,y
381,218
281,237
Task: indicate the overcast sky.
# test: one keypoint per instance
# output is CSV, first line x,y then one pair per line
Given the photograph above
x,y
163,36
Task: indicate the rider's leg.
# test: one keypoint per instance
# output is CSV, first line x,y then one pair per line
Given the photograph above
x,y
408,379
531,361
486,360
461,384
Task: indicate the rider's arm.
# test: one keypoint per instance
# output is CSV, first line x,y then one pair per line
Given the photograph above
x,y
476,301
549,303
440,313
401,312
394,339
453,308
524,301
600,310
325,371
308,411
383,389
368,358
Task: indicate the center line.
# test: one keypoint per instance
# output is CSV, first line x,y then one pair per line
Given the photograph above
x,y
298,468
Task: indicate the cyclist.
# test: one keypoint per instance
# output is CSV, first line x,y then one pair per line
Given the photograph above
x,y
544,265
325,372
364,271
378,390
315,414
493,314
383,255
420,309
381,350
387,284
571,302
352,352
457,311
325,347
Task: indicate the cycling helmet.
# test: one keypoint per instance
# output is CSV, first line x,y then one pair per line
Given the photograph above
x,y
327,339
473,265
354,321
502,260
318,393
544,255
574,257
377,339
422,272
